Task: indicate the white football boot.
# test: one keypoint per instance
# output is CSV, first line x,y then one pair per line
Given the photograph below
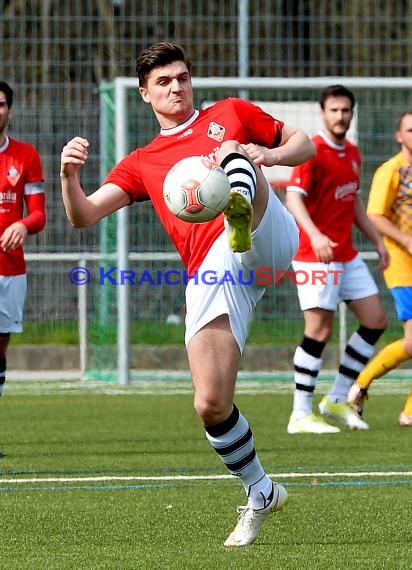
x,y
250,520
342,413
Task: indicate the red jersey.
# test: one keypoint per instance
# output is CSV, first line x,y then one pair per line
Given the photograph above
x,y
330,183
141,173
21,183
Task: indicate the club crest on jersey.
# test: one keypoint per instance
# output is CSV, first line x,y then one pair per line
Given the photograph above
x,y
355,167
13,175
216,132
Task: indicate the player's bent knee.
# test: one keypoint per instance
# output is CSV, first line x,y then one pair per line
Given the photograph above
x,y
381,322
211,411
227,147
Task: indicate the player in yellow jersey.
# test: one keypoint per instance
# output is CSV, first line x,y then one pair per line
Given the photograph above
x,y
390,209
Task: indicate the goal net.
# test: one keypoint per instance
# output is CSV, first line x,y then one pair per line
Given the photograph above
x,y
136,318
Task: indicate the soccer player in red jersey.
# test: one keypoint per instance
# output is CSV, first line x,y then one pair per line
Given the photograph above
x,y
256,231
324,196
21,186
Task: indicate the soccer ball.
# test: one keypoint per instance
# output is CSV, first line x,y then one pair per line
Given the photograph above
x,y
196,189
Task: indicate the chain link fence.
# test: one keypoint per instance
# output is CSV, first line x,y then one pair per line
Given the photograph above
x,y
57,53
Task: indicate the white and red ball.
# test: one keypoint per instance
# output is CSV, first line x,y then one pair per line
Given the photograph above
x,y
196,189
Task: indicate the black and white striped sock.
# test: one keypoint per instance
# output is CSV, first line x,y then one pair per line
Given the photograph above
x,y
307,362
233,442
358,351
241,174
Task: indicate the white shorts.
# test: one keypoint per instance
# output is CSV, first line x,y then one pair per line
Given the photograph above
x,y
12,296
325,285
225,283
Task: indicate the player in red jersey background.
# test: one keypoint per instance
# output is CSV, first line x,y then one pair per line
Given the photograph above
x,y
21,187
259,232
324,196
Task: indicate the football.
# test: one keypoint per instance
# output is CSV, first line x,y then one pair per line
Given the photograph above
x,y
196,189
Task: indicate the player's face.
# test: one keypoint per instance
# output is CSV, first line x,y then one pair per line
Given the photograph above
x,y
404,134
4,113
169,91
337,115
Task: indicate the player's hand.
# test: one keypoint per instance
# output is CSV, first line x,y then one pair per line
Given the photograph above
x,y
384,257
323,247
260,155
13,237
73,156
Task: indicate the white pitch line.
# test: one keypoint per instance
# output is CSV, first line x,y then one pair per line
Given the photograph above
x,y
108,478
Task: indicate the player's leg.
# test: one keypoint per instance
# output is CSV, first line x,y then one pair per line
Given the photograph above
x,y
216,328
391,356
4,342
307,362
248,198
318,300
12,297
405,418
360,346
359,291
214,360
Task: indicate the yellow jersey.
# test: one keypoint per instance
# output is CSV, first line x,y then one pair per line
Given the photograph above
x,y
391,196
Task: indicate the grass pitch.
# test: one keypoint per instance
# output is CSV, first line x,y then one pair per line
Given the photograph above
x,y
109,478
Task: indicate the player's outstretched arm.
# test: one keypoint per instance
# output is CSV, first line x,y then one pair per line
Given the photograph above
x,y
83,211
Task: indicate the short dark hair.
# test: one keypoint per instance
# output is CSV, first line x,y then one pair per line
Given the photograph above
x,y
8,91
158,55
401,118
336,91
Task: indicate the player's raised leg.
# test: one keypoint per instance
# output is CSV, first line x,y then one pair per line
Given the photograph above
x,y
248,197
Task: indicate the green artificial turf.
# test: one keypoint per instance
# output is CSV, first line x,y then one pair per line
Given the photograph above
x,y
82,506
262,331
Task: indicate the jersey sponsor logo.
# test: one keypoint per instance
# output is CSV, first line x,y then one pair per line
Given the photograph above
x,y
212,155
346,191
13,175
8,196
216,132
